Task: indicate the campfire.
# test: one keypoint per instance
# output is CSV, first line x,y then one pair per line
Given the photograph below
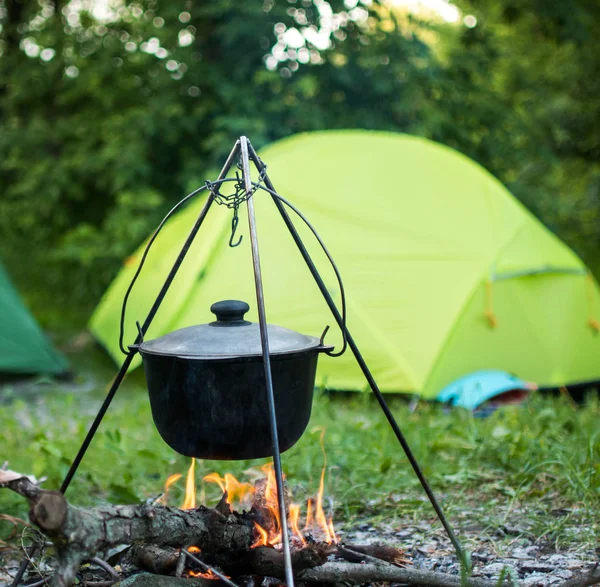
x,y
240,537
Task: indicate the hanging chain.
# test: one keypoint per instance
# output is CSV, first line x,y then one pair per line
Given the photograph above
x,y
234,200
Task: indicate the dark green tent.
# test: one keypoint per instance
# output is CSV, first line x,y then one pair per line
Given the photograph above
x,y
23,346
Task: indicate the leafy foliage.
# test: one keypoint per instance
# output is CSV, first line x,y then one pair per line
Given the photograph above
x,y
106,123
530,90
107,118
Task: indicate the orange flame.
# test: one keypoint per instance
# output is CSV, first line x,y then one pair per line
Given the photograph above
x,y
171,480
331,531
294,516
320,518
236,491
215,478
189,502
309,516
315,523
163,499
263,536
325,525
203,575
272,502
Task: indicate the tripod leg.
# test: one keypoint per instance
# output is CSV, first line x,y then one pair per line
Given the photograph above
x,y
289,577
163,292
359,358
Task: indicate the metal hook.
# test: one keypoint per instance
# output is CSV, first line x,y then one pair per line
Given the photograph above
x,y
322,339
331,352
234,223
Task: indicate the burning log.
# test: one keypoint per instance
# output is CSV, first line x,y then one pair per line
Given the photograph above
x,y
79,534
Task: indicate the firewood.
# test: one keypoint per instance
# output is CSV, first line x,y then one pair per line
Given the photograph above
x,y
268,562
161,560
225,540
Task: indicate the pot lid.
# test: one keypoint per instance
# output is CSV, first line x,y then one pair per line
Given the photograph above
x,y
229,336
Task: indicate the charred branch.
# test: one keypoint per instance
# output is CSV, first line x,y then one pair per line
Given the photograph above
x,y
156,559
358,553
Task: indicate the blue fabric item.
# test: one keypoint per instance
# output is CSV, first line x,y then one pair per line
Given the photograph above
x,y
476,388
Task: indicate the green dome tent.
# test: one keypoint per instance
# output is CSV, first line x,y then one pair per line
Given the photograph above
x,y
23,347
445,271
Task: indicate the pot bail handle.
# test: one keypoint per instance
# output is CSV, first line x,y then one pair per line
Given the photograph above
x,y
229,313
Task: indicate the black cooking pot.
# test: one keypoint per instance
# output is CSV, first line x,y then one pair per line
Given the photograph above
x,y
207,385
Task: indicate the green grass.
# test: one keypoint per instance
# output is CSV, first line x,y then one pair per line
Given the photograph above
x,y
538,464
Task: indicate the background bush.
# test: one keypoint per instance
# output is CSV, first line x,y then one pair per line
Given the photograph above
x,y
109,113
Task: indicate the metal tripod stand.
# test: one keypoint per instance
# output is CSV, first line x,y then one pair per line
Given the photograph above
x,y
245,153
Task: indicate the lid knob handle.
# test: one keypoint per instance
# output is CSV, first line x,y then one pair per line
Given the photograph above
x,y
229,312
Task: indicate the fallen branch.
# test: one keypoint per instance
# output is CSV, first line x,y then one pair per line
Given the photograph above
x,y
308,567
358,553
156,559
370,572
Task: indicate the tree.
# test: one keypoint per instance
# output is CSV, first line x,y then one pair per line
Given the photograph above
x,y
109,119
523,92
